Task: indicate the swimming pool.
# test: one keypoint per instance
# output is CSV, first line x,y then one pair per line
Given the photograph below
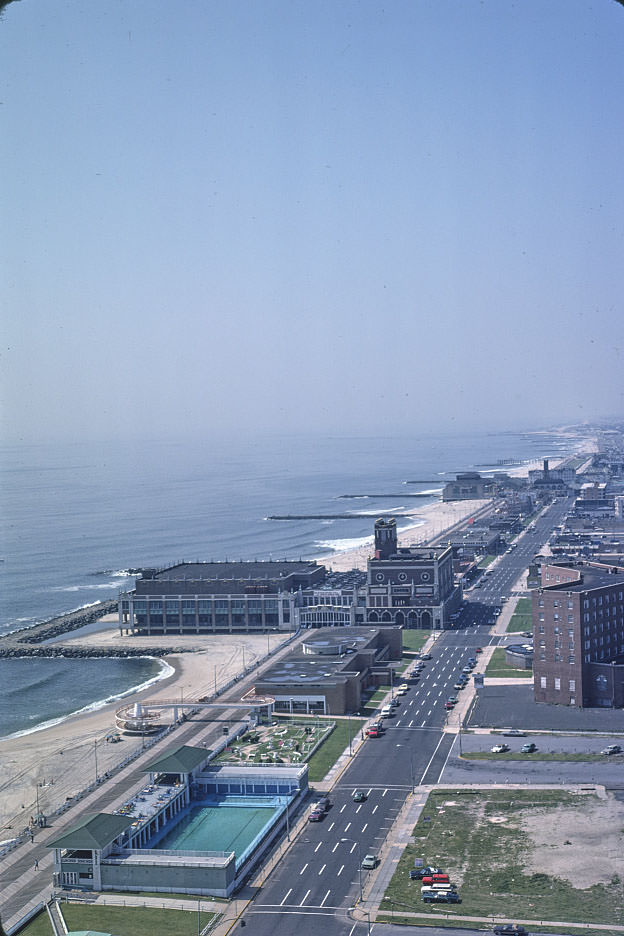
x,y
231,823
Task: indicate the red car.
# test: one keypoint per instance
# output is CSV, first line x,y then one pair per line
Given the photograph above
x,y
373,733
478,649
435,879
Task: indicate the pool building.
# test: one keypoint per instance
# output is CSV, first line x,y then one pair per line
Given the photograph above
x,y
193,828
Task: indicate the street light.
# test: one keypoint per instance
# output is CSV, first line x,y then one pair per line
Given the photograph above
x,y
355,842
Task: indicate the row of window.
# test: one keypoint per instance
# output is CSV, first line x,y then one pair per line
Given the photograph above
x,y
557,683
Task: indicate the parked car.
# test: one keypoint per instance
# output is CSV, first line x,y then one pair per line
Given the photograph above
x,y
472,662
612,749
316,815
373,732
500,749
394,703
441,897
439,878
426,656
449,705
459,685
514,733
528,748
358,796
510,929
453,699
478,649
370,862
418,873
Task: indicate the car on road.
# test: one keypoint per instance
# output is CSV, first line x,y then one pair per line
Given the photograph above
x,y
370,862
612,749
358,796
500,749
426,656
510,929
453,699
514,733
394,703
441,897
478,649
459,685
373,732
317,815
528,748
403,688
449,705
472,662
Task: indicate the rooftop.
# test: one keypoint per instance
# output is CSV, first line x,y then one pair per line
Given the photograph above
x,y
92,832
181,760
590,578
269,569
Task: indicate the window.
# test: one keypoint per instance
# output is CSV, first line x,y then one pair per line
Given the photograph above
x,y
557,683
573,685
571,658
540,603
542,682
541,629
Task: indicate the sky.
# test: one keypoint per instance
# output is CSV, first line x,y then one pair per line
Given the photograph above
x,y
276,216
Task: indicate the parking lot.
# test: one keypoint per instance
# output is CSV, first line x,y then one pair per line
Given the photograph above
x,y
513,706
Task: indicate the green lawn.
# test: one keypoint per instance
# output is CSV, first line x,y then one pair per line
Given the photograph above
x,y
415,639
486,561
371,705
330,750
499,669
133,921
521,619
38,926
479,837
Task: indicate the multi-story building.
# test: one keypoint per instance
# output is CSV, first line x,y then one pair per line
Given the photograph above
x,y
468,485
218,597
578,631
410,586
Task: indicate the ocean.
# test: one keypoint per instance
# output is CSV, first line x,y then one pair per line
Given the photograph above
x,y
77,516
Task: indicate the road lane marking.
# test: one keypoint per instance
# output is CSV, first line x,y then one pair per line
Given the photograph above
x,y
343,808
352,849
317,847
385,791
370,790
364,828
347,827
335,847
304,899
325,897
375,809
321,871
304,867
286,897
331,827
358,809
341,870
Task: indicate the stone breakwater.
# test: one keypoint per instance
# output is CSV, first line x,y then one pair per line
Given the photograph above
x,y
14,650
20,643
63,624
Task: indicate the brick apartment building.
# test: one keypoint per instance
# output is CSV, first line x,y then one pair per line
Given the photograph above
x,y
578,630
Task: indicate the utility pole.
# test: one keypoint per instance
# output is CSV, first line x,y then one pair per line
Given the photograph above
x,y
95,756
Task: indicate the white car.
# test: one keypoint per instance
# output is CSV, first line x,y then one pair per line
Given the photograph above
x,y
500,749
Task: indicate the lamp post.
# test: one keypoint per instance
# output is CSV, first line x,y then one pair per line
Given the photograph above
x,y
355,842
349,724
95,756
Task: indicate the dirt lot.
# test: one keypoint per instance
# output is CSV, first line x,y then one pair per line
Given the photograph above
x,y
584,847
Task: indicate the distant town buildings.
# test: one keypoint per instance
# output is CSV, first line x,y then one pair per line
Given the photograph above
x,y
469,485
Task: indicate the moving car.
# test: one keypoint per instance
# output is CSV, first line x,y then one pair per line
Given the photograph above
x,y
370,862
358,796
528,748
612,749
500,749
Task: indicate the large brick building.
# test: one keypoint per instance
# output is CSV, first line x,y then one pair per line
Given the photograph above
x,y
578,630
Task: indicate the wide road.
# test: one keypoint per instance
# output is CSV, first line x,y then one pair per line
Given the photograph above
x,y
319,878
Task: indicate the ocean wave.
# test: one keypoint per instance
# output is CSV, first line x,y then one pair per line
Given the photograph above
x,y
339,545
90,587
165,672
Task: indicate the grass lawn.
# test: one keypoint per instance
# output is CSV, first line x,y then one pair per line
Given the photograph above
x,y
330,750
521,619
478,837
372,704
415,639
499,669
486,561
133,921
396,917
38,926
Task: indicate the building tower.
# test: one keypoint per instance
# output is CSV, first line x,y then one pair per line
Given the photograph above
x,y
386,542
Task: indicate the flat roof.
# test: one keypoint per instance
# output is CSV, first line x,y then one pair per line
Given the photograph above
x,y
591,578
179,761
269,569
93,832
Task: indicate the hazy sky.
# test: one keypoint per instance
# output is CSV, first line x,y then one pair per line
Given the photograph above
x,y
388,216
